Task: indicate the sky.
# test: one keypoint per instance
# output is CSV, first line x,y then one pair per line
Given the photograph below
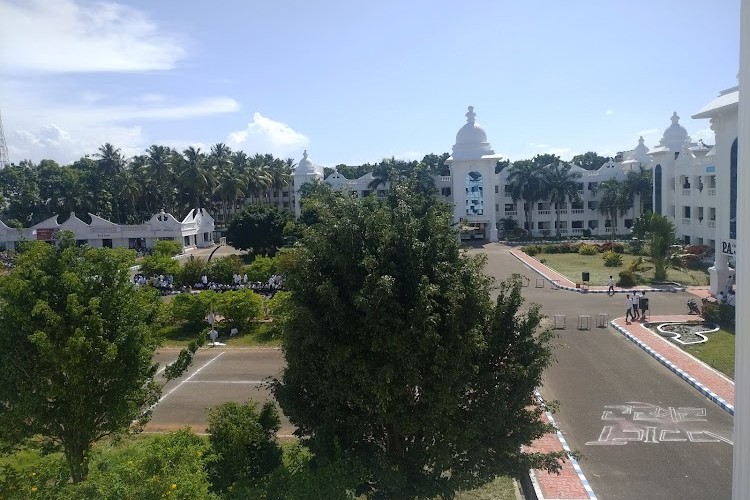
x,y
355,82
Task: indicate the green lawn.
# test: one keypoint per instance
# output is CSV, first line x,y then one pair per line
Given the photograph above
x,y
261,335
572,264
501,488
717,352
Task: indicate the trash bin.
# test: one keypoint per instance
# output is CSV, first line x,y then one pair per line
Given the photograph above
x,y
584,276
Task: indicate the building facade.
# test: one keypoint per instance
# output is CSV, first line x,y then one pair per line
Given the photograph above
x,y
196,230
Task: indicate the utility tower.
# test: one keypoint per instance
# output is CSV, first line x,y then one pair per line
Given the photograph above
x,y
4,161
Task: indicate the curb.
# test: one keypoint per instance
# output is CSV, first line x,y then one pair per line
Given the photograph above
x,y
679,372
558,286
576,467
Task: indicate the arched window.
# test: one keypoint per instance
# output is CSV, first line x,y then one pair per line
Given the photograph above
x,y
733,191
474,194
657,189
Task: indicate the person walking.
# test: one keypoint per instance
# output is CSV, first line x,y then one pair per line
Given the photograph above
x,y
643,305
636,313
629,310
611,290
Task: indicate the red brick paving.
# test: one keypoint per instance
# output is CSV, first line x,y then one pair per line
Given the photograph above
x,y
566,485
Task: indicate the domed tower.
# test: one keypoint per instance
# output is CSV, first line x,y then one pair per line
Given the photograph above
x,y
306,171
472,166
675,136
640,153
674,140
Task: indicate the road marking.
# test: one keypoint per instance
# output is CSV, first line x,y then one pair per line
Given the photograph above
x,y
196,372
252,382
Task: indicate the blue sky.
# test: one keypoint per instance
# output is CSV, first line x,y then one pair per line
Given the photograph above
x,y
354,82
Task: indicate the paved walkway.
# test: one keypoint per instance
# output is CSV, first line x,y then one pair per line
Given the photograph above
x,y
571,483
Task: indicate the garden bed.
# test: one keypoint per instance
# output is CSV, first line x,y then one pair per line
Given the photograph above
x,y
717,351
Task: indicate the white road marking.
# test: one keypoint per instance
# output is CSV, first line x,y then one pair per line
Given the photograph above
x,y
254,382
196,372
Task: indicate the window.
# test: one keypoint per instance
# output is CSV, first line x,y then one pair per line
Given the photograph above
x,y
700,241
593,224
365,193
497,207
608,223
474,194
687,239
509,207
285,193
628,223
497,189
577,224
593,205
592,186
686,212
446,191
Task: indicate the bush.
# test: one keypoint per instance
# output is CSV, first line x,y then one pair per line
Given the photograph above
x,y
191,271
239,307
627,279
156,264
222,270
244,449
586,233
612,246
635,247
587,249
532,249
721,314
192,308
612,259
635,265
166,248
261,269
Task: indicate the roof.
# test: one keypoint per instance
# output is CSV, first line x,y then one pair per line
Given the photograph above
x,y
727,100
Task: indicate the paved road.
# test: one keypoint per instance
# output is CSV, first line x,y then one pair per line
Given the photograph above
x,y
644,432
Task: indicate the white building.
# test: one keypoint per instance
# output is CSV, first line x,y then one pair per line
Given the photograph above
x,y
195,230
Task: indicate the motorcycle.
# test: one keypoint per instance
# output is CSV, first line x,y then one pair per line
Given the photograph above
x,y
693,307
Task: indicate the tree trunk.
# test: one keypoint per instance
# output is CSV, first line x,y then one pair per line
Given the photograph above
x,y
76,454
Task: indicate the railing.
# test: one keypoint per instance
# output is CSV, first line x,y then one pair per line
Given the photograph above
x,y
577,230
685,192
686,221
511,213
712,223
445,178
563,231
543,212
711,191
578,211
563,211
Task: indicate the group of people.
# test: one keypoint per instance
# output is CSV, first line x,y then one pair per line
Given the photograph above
x,y
165,284
240,282
637,307
728,299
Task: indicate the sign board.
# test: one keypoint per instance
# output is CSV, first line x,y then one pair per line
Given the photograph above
x,y
711,169
729,247
45,234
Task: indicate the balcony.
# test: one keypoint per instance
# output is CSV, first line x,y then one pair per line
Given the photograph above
x,y
563,211
685,221
577,230
685,192
511,213
543,212
712,223
711,191
577,211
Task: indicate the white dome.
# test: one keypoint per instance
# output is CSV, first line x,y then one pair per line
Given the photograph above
x,y
640,153
675,137
305,166
471,140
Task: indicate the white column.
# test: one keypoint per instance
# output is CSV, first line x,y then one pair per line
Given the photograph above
x,y
741,477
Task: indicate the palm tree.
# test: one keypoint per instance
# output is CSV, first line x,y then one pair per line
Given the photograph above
x,y
526,183
109,165
639,184
195,177
660,233
258,176
561,184
615,201
160,177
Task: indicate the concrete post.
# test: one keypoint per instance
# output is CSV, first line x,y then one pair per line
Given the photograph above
x,y
740,477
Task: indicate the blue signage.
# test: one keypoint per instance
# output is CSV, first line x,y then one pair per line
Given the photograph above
x,y
711,169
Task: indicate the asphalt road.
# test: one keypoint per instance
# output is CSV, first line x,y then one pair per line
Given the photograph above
x,y
643,432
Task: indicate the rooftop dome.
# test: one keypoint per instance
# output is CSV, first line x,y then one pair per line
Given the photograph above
x,y
471,140
305,166
675,137
640,153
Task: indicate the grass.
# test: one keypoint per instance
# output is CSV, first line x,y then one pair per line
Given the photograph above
x,y
571,265
717,352
501,488
261,334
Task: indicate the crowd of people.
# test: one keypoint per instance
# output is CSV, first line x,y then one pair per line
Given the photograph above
x,y
636,306
165,284
729,298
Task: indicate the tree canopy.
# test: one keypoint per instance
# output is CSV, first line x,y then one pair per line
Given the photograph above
x,y
77,347
397,358
258,228
590,160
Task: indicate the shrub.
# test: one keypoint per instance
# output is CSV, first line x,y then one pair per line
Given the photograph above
x,y
543,261
635,247
192,308
532,249
222,270
166,248
586,233
239,307
191,271
612,246
587,249
154,265
635,265
612,259
261,269
721,314
627,279
244,449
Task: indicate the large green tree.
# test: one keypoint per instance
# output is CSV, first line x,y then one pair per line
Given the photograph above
x,y
77,346
590,160
614,201
639,184
397,359
258,228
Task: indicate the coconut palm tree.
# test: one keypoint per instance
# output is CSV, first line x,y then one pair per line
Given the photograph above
x,y
639,183
659,231
560,185
160,177
526,183
195,177
615,201
258,176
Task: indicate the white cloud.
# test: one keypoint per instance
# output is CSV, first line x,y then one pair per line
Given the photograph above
x,y
265,135
706,134
609,112
63,36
